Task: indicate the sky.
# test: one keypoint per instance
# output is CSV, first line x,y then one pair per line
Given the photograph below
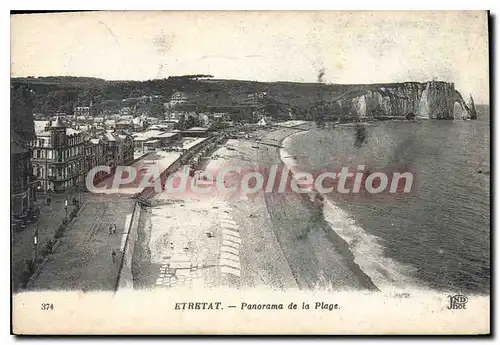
x,y
351,47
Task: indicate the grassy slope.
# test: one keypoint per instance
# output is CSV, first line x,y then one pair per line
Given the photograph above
x,y
211,92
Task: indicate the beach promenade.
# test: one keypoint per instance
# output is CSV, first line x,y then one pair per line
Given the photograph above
x,y
51,216
82,259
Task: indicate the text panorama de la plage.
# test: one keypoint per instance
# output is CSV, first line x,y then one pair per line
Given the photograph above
x,y
256,306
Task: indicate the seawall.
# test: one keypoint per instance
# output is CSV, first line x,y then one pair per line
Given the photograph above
x,y
125,277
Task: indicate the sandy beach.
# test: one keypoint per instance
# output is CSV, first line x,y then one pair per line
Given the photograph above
x,y
272,240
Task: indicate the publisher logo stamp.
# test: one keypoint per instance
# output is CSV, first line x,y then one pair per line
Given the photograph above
x,y
457,301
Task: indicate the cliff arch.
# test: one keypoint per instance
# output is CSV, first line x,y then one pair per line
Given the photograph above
x,y
457,99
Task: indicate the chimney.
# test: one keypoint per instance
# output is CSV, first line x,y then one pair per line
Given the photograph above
x,y
48,125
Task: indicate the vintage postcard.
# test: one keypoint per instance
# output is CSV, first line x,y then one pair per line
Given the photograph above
x,y
259,172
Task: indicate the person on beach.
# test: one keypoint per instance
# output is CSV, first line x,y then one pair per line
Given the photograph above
x,y
110,229
113,256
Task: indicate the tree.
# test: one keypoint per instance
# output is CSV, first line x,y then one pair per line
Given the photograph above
x,y
319,116
21,111
217,124
191,121
156,110
377,111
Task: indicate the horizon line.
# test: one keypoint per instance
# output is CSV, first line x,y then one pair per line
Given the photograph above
x,y
214,78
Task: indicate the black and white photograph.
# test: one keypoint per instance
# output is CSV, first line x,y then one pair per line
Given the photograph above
x,y
305,172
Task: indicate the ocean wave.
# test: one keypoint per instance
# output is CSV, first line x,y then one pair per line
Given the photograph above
x,y
385,273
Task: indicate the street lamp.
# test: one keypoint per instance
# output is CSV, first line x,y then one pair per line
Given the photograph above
x,y
35,243
38,188
79,194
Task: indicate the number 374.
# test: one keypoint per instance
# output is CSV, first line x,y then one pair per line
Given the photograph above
x,y
47,306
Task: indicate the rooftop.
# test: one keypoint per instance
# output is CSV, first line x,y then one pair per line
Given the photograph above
x,y
154,141
71,131
147,135
41,125
109,136
196,129
190,142
167,135
58,123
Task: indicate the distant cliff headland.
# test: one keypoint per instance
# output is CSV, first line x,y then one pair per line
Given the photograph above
x,y
310,101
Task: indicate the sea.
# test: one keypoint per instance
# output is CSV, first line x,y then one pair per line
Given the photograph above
x,y
436,237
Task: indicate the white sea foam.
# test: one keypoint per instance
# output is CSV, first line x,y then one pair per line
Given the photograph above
x,y
385,273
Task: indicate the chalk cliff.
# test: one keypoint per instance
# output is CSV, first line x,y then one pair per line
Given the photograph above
x,y
433,100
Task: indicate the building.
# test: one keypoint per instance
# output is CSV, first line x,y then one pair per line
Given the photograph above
x,y
162,126
118,149
126,151
94,156
124,125
152,120
177,116
124,118
126,111
62,156
221,116
178,98
109,124
255,100
154,139
147,141
82,111
195,132
262,122
22,183
180,101
204,119
167,138
57,156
